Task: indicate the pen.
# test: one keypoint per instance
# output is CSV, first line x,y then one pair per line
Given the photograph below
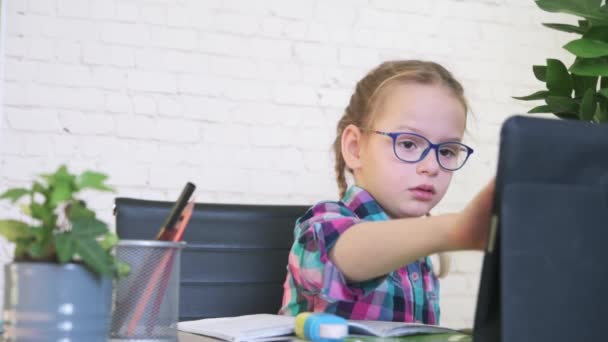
x,y
161,274
167,230
179,231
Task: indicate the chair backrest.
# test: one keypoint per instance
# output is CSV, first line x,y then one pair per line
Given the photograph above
x,y
235,259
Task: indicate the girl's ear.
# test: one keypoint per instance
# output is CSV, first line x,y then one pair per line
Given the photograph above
x,y
351,147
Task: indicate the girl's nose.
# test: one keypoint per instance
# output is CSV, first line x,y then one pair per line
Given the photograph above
x,y
428,164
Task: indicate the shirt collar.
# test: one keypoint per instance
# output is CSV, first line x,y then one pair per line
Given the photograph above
x,y
361,202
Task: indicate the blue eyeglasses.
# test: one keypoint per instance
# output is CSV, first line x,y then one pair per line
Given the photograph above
x,y
412,148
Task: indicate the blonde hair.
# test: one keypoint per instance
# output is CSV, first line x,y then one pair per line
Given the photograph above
x,y
368,91
365,100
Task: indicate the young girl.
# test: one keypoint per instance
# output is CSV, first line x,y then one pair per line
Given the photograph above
x,y
366,256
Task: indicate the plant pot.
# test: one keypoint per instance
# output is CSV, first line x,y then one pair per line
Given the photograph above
x,y
53,302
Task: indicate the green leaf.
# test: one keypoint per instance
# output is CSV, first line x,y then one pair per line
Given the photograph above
x,y
41,212
561,104
601,116
78,210
590,67
601,112
88,228
64,246
109,240
39,188
567,116
566,28
25,209
40,246
588,105
540,72
597,33
21,248
587,48
14,194
539,95
603,82
61,175
93,180
603,92
582,83
558,78
61,191
93,255
589,9
122,268
13,230
540,109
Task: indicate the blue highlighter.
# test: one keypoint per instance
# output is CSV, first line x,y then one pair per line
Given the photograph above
x,y
321,327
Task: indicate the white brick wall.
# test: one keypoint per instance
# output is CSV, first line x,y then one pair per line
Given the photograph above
x,y
242,97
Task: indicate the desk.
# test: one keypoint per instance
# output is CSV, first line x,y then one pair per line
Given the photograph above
x,y
187,337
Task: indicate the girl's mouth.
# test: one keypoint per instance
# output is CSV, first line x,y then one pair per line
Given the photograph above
x,y
423,192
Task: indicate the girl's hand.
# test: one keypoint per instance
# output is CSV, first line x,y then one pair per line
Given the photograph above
x,y
473,223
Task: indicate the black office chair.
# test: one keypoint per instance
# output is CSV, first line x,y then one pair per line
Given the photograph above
x,y
235,259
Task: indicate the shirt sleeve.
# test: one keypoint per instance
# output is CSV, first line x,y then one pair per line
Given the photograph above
x,y
313,272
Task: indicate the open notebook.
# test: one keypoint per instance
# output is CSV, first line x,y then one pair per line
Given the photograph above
x,y
267,327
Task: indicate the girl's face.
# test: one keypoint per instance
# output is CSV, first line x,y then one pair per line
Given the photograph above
x,y
409,189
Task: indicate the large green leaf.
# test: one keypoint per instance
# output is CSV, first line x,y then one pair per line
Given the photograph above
x,y
13,230
590,67
566,28
64,246
540,72
589,9
88,228
562,104
558,78
587,48
93,255
539,95
93,180
14,194
588,105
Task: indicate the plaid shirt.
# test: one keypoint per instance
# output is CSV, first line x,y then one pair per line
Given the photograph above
x,y
314,283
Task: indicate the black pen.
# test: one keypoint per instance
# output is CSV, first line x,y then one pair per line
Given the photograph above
x,y
177,210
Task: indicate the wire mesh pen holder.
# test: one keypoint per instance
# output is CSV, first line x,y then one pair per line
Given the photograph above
x,y
146,302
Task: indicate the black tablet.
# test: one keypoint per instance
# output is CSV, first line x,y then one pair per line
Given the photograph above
x,y
545,273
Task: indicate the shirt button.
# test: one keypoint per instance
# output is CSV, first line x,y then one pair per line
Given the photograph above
x,y
415,276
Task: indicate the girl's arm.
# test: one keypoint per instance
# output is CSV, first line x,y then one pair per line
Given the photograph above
x,y
372,249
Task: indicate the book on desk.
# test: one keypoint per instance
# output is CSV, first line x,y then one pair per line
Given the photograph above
x,y
268,327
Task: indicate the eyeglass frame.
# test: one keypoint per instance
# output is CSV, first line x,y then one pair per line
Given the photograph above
x,y
432,146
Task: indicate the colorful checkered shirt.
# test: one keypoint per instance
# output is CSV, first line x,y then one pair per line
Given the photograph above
x,y
314,283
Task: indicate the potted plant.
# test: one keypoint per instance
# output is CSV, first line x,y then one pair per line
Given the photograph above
x,y
579,92
59,286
